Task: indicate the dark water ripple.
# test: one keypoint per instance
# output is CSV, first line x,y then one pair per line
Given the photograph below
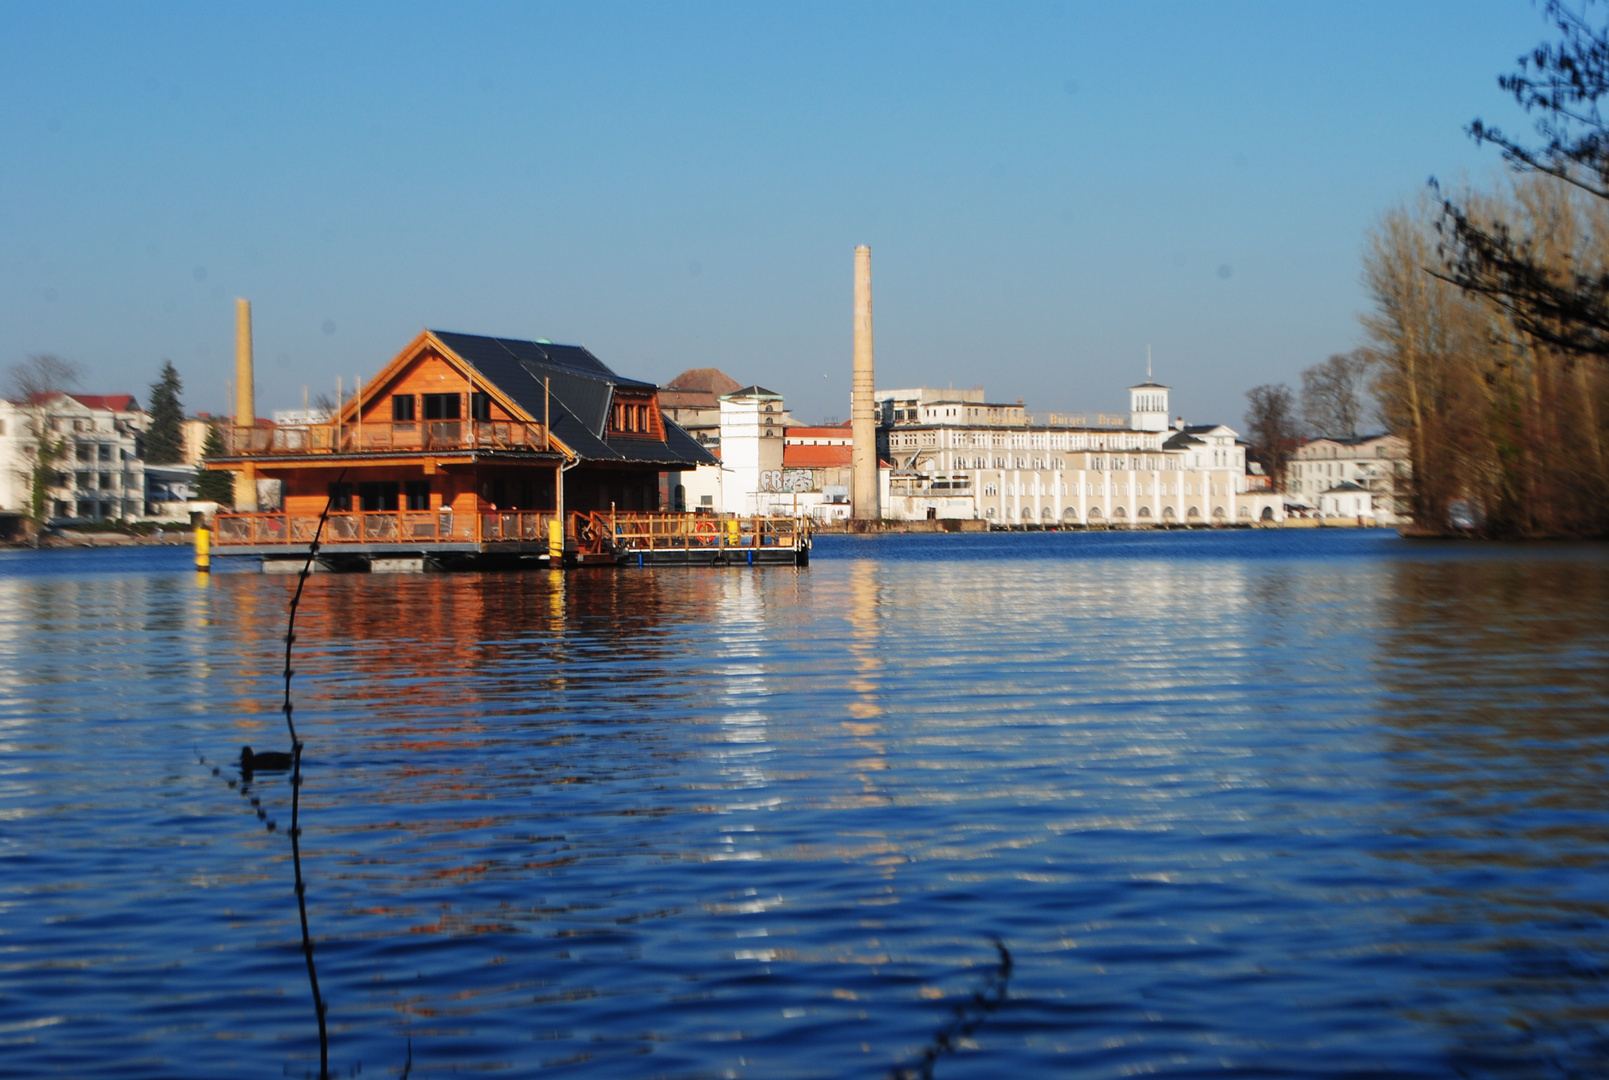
x,y
1248,804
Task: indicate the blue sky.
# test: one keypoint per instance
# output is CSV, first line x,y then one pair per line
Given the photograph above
x,y
1047,188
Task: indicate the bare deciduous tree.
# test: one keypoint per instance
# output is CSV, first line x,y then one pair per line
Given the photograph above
x,y
1333,394
1506,424
40,376
1563,306
1271,429
30,383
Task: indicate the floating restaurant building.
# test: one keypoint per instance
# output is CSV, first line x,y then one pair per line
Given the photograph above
x,y
466,446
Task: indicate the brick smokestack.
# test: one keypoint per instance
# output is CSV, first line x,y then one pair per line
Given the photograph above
x,y
862,407
245,403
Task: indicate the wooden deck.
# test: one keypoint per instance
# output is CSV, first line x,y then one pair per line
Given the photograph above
x,y
354,538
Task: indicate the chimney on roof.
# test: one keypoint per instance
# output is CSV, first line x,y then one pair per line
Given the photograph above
x,y
245,402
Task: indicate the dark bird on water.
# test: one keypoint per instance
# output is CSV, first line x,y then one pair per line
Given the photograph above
x,y
272,761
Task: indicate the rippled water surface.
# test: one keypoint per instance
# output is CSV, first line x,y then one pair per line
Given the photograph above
x,y
1268,804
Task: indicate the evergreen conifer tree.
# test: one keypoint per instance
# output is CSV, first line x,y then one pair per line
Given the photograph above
x,y
218,487
164,442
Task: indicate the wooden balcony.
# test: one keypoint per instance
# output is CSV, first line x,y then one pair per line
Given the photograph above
x,y
383,528
383,438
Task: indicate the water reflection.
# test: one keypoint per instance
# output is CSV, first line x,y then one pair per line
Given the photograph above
x,y
1498,676
1334,813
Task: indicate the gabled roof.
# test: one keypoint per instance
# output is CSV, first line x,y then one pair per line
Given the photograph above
x,y
1345,485
753,391
1351,440
1182,440
582,390
113,402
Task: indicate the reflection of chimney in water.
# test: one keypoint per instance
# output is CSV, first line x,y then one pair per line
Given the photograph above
x,y
245,403
862,414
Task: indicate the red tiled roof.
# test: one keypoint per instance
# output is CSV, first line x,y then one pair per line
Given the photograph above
x,y
797,456
815,433
709,380
115,402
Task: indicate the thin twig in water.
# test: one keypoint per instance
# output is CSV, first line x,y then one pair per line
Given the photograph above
x,y
969,1016
296,787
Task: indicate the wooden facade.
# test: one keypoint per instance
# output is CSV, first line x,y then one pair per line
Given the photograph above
x,y
461,446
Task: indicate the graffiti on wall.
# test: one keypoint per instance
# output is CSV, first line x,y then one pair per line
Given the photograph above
x,y
791,480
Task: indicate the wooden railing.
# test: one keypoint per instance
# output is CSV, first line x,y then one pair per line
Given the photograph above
x,y
586,533
348,527
671,531
522,526
384,437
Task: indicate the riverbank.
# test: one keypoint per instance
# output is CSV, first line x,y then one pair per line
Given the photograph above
x,y
76,538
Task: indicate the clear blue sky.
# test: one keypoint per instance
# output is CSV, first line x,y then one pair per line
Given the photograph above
x,y
1046,187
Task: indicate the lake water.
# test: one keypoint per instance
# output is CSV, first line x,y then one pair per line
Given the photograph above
x,y
1244,804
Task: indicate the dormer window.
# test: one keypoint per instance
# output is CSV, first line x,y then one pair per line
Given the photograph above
x,y
632,418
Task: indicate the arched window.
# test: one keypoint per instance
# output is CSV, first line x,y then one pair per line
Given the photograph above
x,y
1145,512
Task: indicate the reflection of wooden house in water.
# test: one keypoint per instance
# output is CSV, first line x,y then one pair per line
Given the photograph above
x,y
466,446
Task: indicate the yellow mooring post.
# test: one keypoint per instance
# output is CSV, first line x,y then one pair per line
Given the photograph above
x,y
203,548
555,541
734,533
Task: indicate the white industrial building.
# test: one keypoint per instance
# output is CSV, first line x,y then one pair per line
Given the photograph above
x,y
950,454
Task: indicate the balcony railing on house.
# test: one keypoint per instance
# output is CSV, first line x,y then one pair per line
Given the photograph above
x,y
384,437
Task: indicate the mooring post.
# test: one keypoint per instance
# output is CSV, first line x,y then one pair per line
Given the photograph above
x,y
203,548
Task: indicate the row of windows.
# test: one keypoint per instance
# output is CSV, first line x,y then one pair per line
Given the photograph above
x,y
1119,513
1021,440
1095,489
637,418
380,495
406,408
1099,464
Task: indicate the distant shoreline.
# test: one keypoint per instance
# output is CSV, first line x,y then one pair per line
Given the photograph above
x,y
62,539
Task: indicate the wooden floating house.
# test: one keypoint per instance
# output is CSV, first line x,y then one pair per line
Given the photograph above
x,y
470,451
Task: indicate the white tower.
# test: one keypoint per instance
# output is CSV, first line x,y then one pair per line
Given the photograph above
x,y
1148,402
751,448
1148,406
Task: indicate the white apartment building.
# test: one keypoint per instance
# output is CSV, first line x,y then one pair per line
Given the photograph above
x,y
1379,464
101,474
